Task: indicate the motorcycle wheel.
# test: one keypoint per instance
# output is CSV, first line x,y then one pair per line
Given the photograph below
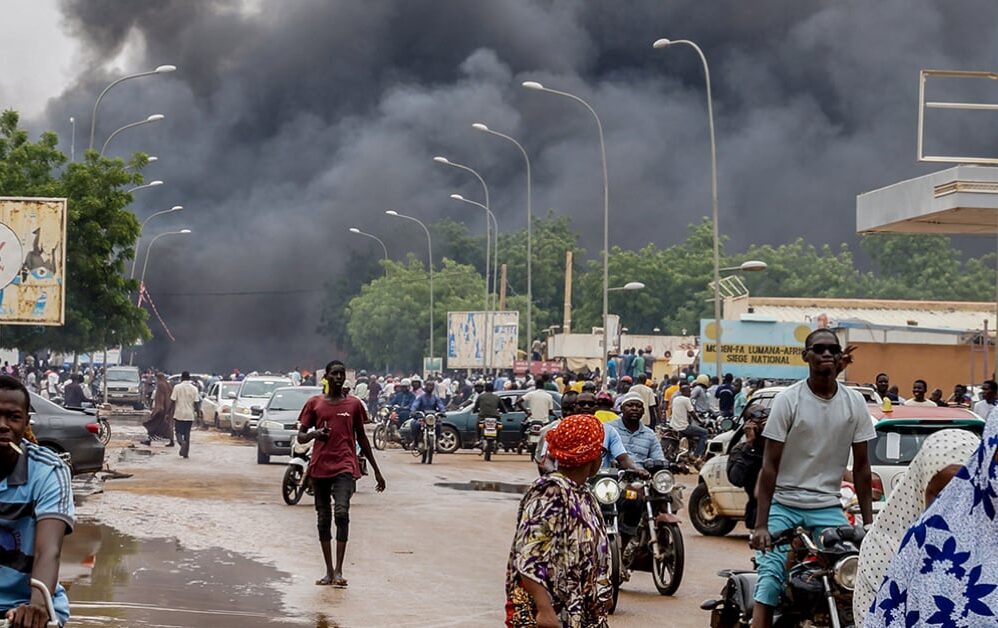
x,y
430,446
615,572
668,573
704,515
488,450
380,442
291,487
104,431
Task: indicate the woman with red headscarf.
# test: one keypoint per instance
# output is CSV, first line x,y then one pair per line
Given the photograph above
x,y
558,568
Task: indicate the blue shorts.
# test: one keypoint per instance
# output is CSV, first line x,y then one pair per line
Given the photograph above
x,y
772,565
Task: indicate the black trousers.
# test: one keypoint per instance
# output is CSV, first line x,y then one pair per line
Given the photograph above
x,y
183,429
332,504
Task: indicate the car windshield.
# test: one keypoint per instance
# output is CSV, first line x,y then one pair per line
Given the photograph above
x,y
897,445
123,375
229,387
261,387
291,399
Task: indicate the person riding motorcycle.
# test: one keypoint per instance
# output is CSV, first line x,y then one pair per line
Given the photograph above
x,y
426,402
487,404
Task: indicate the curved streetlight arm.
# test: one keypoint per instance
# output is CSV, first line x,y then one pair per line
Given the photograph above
x,y
145,264
379,241
148,120
93,115
530,220
142,228
429,248
606,217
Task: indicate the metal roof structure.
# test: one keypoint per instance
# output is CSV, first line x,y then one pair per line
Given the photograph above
x,y
924,316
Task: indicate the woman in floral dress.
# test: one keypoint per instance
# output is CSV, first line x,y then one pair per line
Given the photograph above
x,y
558,568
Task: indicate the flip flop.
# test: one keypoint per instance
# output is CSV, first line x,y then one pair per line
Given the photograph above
x,y
325,581
340,583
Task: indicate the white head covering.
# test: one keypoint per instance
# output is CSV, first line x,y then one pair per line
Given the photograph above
x,y
631,396
903,508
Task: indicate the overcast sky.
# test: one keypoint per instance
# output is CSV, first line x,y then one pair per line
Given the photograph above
x,y
288,122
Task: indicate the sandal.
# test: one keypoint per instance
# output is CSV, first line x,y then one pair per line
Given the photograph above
x,y
340,583
324,581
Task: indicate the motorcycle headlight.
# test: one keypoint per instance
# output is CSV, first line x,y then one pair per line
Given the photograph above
x,y
430,420
663,481
606,490
383,412
845,572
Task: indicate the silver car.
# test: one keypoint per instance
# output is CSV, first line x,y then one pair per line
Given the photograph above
x,y
217,404
253,395
279,421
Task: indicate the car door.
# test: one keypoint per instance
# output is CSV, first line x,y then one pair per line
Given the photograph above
x,y
512,420
209,404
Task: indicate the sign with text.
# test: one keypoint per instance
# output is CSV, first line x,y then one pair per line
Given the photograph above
x,y
755,349
471,334
537,367
32,261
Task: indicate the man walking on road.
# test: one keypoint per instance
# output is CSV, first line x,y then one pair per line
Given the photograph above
x,y
338,422
812,427
184,399
160,423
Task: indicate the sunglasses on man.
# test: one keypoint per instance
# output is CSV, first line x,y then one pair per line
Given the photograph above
x,y
820,349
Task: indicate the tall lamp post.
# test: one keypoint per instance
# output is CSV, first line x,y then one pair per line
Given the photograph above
x,y
534,85
530,219
156,117
379,241
630,285
665,43
142,228
488,213
163,69
429,248
485,188
487,361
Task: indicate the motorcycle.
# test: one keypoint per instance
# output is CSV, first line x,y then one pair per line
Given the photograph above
x,y
489,428
605,487
655,542
429,423
819,588
532,432
676,448
296,481
49,606
387,429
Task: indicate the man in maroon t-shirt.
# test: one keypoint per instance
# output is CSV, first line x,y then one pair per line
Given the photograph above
x,y
338,420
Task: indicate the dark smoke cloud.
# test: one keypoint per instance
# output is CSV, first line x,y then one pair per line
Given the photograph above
x,y
290,122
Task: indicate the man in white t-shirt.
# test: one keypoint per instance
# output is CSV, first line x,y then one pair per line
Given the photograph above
x,y
683,420
649,398
918,390
989,396
812,428
538,404
184,399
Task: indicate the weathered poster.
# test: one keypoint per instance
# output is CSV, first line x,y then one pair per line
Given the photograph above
x,y
32,261
469,339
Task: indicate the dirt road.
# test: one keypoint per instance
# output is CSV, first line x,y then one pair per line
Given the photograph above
x,y
424,553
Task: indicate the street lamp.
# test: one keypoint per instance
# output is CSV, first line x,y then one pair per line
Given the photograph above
x,y
751,266
151,184
485,188
534,85
163,69
630,285
489,216
429,248
142,227
149,160
145,264
665,43
478,126
373,237
156,117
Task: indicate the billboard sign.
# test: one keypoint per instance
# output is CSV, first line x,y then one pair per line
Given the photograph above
x,y
32,261
769,350
469,339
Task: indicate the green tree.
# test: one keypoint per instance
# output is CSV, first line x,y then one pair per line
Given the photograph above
x,y
101,236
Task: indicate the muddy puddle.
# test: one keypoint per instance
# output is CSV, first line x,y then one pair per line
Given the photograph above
x,y
479,485
117,581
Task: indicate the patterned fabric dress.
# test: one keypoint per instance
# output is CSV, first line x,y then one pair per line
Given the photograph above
x,y
946,571
561,544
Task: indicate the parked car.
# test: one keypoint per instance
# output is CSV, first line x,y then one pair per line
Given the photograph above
x,y
253,394
279,421
716,505
72,432
124,386
460,428
216,405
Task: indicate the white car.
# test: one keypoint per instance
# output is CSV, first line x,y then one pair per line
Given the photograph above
x,y
217,404
716,506
254,393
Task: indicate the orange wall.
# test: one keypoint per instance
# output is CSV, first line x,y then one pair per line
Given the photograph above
x,y
941,366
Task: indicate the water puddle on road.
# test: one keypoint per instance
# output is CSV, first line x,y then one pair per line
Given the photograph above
x,y
479,485
117,581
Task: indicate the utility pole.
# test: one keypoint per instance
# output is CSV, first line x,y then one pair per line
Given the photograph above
x,y
502,288
566,326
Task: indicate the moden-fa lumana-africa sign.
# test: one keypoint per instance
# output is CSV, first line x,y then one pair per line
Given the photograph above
x,y
755,349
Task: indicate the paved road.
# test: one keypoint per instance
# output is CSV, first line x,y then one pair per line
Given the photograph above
x,y
421,554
